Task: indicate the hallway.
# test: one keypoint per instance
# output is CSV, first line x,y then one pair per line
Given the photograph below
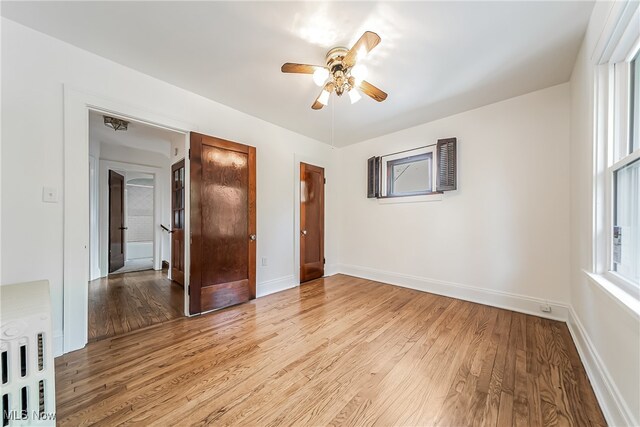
x,y
123,303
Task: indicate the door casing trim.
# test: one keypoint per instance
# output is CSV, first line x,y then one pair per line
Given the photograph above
x,y
103,211
297,159
77,104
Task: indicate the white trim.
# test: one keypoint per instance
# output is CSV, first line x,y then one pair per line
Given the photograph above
x,y
628,302
58,343
620,15
275,285
94,211
612,403
436,197
500,299
628,159
77,104
187,221
616,46
331,269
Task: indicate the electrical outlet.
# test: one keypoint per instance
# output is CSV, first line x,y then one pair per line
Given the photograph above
x,y
545,308
264,261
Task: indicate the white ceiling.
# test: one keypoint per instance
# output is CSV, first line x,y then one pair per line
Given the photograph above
x,y
435,58
137,135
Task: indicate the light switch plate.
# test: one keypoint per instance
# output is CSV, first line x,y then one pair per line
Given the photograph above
x,y
49,195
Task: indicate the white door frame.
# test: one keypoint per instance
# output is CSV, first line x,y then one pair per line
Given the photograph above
x,y
77,104
158,191
94,233
297,159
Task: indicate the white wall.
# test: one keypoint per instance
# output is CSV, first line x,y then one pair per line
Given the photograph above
x,y
506,228
34,69
606,332
177,151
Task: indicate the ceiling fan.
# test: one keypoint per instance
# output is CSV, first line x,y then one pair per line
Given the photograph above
x,y
342,74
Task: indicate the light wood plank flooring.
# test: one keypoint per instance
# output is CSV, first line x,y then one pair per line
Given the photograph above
x,y
122,303
336,351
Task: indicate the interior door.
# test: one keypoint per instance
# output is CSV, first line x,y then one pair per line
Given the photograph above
x,y
223,223
311,222
177,220
116,221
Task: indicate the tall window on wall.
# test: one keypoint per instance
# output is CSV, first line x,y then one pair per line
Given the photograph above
x,y
626,177
618,185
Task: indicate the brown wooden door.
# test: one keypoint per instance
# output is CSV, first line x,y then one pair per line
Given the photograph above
x,y
311,222
116,221
177,222
223,223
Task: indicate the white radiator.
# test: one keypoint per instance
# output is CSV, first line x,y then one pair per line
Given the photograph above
x,y
28,378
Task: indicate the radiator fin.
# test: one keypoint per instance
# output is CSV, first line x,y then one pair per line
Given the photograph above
x,y
5,367
40,352
5,410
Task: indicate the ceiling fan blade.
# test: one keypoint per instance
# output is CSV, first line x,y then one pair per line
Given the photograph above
x,y
372,91
317,105
291,67
366,43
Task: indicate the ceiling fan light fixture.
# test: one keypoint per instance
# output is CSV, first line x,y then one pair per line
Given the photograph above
x,y
324,98
320,76
359,72
115,123
342,74
354,96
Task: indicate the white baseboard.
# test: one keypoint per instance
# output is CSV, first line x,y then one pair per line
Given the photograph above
x,y
274,285
58,343
615,410
331,269
506,300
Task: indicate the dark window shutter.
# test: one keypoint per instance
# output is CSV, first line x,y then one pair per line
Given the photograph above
x,y
373,177
446,152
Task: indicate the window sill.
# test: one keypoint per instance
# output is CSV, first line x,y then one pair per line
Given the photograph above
x,y
622,297
431,197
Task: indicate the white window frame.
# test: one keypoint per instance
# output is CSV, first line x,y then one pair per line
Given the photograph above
x,y
431,149
611,130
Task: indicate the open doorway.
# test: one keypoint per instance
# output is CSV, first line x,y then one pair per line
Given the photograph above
x,y
131,221
131,210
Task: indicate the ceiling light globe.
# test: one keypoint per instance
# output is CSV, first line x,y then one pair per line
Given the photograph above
x,y
320,76
354,96
324,98
359,72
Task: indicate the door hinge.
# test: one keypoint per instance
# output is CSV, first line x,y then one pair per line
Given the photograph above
x,y
324,260
325,180
189,155
189,290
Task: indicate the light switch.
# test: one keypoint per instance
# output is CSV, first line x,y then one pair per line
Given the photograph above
x,y
264,262
49,195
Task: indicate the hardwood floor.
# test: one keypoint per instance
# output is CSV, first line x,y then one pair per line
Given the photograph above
x,y
336,351
122,303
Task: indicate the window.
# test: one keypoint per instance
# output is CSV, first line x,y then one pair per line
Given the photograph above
x,y
625,174
618,185
410,175
626,224
421,171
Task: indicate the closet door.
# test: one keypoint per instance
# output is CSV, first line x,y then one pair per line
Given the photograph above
x,y
223,223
